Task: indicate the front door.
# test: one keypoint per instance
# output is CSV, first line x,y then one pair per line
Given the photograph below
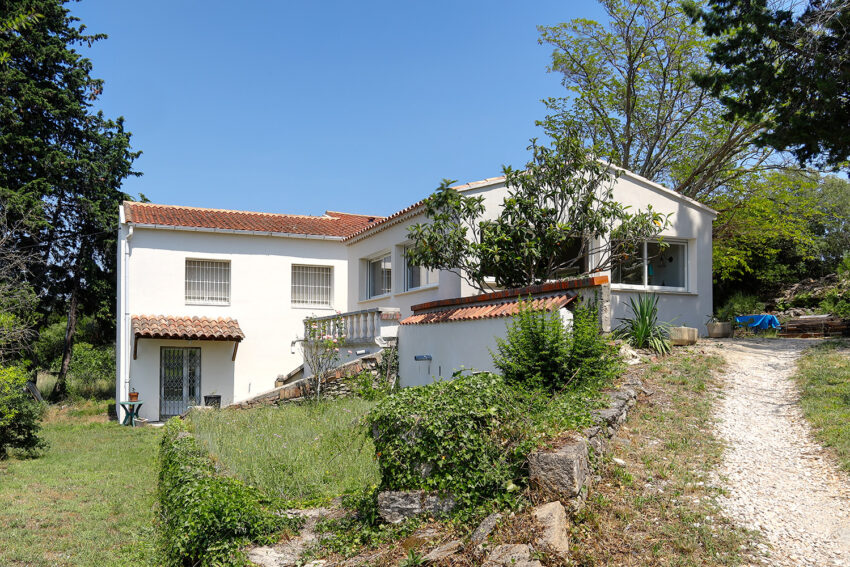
x,y
180,380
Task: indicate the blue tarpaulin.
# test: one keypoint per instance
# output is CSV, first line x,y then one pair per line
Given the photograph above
x,y
758,321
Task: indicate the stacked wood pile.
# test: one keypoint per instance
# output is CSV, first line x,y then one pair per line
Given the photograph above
x,y
814,326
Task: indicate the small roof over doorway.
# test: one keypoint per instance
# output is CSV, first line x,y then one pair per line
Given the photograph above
x,y
186,328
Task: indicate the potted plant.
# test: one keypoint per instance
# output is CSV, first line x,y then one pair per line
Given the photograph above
x,y
719,326
134,395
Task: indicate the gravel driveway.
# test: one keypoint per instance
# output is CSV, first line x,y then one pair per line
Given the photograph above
x,y
779,480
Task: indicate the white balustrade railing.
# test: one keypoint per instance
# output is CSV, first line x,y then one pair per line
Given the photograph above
x,y
359,327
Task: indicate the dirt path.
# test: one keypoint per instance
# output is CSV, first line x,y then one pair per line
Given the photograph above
x,y
779,479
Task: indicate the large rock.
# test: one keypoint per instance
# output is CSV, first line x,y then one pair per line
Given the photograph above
x,y
682,336
397,506
515,555
563,471
444,551
551,520
485,528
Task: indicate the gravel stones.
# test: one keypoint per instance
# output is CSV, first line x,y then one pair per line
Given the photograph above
x,y
779,480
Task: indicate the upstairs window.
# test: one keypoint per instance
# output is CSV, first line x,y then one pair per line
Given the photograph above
x,y
312,286
207,282
417,276
379,276
646,265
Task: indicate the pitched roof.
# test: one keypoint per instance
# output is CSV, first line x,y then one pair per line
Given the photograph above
x,y
199,328
504,303
334,224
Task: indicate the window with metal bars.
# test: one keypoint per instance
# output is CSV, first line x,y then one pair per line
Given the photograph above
x,y
312,285
207,282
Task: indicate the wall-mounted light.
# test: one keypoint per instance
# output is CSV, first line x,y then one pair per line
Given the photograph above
x,y
421,357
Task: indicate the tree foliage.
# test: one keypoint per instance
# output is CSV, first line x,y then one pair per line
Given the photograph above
x,y
632,96
556,221
785,66
19,414
61,164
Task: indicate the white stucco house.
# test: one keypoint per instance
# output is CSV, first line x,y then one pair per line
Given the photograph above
x,y
211,301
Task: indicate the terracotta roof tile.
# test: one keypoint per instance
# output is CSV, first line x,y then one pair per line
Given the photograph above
x,y
330,224
488,311
200,328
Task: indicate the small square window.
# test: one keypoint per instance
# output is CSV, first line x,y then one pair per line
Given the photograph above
x,y
312,285
207,282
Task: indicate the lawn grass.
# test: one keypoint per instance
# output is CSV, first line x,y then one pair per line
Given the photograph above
x,y
304,453
656,504
88,500
823,375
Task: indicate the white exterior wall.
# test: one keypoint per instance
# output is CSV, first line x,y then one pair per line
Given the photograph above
x,y
452,346
688,223
392,240
260,274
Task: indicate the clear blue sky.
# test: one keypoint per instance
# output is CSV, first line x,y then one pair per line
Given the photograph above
x,y
305,106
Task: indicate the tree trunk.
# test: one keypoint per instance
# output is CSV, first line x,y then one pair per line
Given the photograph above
x,y
60,389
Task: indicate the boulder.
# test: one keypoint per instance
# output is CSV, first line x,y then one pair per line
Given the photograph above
x,y
485,528
515,555
562,471
397,506
551,520
444,551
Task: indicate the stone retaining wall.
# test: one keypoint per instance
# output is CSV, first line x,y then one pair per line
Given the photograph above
x,y
335,385
562,472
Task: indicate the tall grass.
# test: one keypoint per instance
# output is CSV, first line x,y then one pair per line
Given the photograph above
x,y
100,388
303,452
823,375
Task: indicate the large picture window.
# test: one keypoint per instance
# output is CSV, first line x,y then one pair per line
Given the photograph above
x,y
379,276
207,282
417,276
312,286
646,264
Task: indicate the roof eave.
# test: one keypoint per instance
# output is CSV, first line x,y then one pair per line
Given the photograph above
x,y
236,231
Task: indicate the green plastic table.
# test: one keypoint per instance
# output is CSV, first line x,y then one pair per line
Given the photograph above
x,y
131,412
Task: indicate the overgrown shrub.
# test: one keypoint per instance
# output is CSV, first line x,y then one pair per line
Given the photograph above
x,y
204,518
541,352
740,304
19,414
643,329
468,437
92,371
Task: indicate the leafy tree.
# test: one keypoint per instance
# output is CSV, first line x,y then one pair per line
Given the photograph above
x,y
17,298
556,221
61,165
786,67
631,95
19,413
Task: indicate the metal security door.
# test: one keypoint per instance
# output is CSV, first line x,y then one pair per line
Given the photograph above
x,y
180,380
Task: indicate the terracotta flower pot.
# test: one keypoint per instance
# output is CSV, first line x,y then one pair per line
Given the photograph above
x,y
134,396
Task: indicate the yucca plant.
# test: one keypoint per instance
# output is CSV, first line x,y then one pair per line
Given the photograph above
x,y
643,329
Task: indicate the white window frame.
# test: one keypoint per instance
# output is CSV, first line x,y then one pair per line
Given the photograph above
x,y
662,288
368,279
312,304
433,276
208,298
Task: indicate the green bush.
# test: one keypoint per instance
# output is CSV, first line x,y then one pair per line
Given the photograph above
x,y
836,303
19,414
469,437
740,304
643,329
92,371
541,352
204,518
